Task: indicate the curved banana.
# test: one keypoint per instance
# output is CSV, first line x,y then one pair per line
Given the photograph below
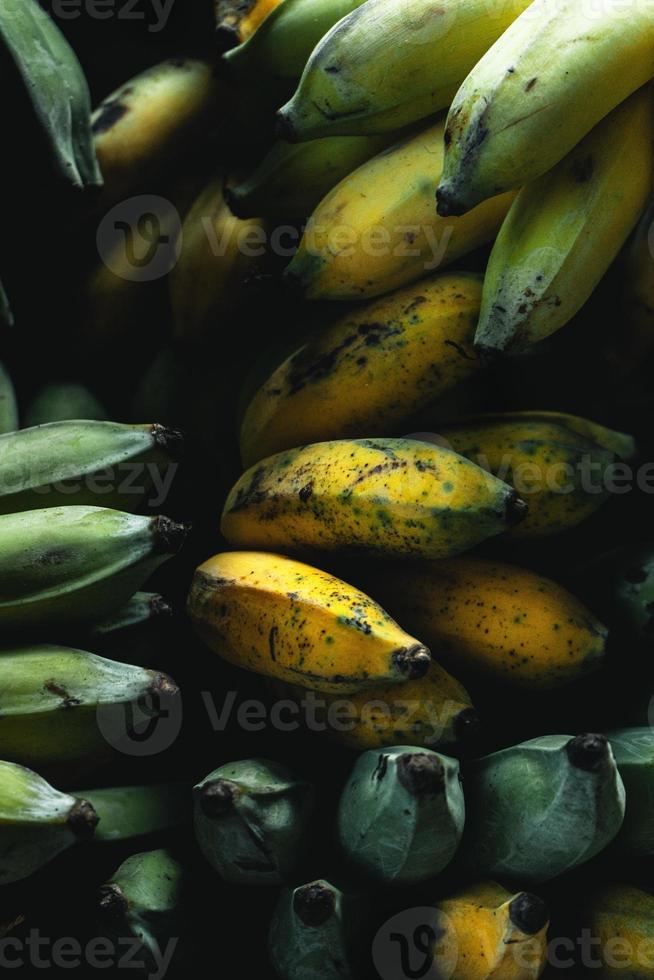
x,y
633,749
378,229
401,815
391,497
236,20
619,918
484,618
357,82
558,69
129,812
540,808
287,620
371,370
61,402
8,403
564,230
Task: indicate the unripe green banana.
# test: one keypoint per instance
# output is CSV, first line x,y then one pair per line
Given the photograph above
x,y
126,812
54,84
633,749
77,564
85,462
625,585
8,404
38,822
60,402
540,808
251,819
142,608
401,814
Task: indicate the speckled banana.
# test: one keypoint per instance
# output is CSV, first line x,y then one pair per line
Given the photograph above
x,y
401,814
540,808
251,820
565,229
619,918
355,82
556,462
295,623
8,403
633,749
378,229
484,618
487,933
371,370
553,75
391,497
129,812
53,83
84,462
236,21
63,401
38,822
77,564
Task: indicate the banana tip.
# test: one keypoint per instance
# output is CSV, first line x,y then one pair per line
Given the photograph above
x,y
163,684
528,913
448,204
412,662
314,904
112,902
421,774
169,535
233,201
588,751
171,441
226,37
515,509
284,127
217,797
82,819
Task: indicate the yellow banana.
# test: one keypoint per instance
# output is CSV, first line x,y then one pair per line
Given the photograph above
x,y
484,618
558,69
486,932
564,230
621,922
556,462
295,623
378,229
389,497
236,20
371,370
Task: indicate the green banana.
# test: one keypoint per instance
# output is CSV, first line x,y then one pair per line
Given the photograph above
x,y
251,819
633,749
77,564
38,822
401,814
54,83
142,608
8,404
540,808
126,812
60,402
625,583
84,462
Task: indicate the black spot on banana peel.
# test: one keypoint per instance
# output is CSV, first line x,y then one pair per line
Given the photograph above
x,y
414,662
82,819
314,904
529,913
421,774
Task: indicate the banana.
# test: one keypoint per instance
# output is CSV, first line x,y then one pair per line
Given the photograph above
x,y
619,919
141,608
295,623
540,808
401,814
390,497
564,230
378,229
251,820
545,83
128,812
559,469
61,402
77,564
488,933
52,697
38,822
484,618
236,20
8,403
622,581
53,83
85,461
633,749
367,373
356,82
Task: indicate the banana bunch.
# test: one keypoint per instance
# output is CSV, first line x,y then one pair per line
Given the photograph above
x,y
538,809
401,815
295,623
619,918
129,812
8,403
483,618
236,21
378,228
390,497
633,750
62,402
251,820
367,373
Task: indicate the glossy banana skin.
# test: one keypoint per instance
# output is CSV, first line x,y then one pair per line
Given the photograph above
x,y
549,79
491,934
401,814
556,462
8,403
633,749
77,564
295,623
371,370
564,230
62,402
355,82
251,820
38,822
621,918
378,229
390,497
484,618
540,808
237,21
131,812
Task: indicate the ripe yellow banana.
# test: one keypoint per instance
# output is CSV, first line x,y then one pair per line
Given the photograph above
x,y
390,63
237,20
484,618
391,497
558,463
371,370
564,230
619,917
295,623
558,69
378,229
